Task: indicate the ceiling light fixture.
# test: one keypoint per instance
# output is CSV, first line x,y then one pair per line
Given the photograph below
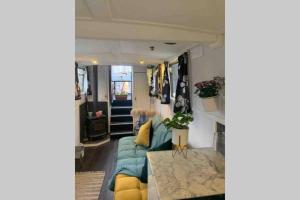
x,y
95,62
142,62
170,43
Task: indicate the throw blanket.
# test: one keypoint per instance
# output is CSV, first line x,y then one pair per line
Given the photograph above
x,y
130,167
130,160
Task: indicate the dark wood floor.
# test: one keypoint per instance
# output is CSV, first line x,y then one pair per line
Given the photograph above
x,y
102,158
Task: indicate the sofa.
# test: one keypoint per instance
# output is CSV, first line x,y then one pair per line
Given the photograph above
x,y
131,160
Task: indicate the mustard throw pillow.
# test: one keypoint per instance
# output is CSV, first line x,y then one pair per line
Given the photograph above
x,y
143,137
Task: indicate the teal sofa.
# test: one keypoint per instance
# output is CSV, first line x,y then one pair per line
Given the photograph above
x,y
131,157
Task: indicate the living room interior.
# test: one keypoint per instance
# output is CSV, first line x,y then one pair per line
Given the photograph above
x,y
149,99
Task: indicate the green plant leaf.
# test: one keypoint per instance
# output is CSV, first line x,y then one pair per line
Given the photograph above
x,y
178,121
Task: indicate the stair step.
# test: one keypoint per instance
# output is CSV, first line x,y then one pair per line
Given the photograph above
x,y
121,127
121,110
121,107
121,123
122,133
122,103
121,118
121,115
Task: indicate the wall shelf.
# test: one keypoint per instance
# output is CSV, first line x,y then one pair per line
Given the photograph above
x,y
216,116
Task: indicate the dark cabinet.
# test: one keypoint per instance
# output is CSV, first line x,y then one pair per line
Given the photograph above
x,y
96,127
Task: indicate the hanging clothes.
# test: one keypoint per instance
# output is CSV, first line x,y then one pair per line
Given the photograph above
x,y
161,77
77,88
150,79
76,73
165,96
89,72
154,91
159,81
182,98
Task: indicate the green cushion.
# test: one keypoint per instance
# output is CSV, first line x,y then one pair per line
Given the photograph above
x,y
156,121
160,135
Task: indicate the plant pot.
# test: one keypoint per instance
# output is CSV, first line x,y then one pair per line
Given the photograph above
x,y
210,104
121,97
180,137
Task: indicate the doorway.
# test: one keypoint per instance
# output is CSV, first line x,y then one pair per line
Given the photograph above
x,y
121,122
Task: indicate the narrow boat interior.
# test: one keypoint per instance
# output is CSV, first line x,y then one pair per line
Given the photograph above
x,y
149,99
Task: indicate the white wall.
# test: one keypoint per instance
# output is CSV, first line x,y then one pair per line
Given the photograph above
x,y
103,83
164,110
206,63
139,68
205,67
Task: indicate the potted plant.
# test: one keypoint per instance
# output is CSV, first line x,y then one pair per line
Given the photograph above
x,y
180,127
208,91
121,96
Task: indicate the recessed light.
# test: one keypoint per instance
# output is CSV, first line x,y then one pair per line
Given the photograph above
x,y
95,62
142,62
170,43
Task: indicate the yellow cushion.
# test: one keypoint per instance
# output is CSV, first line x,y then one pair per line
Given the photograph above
x,y
130,188
143,137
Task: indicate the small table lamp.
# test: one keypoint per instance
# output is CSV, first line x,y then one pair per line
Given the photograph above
x,y
180,141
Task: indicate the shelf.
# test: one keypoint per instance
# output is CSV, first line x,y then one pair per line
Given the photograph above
x,y
216,116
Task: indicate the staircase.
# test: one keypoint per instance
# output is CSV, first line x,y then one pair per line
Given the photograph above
x,y
121,123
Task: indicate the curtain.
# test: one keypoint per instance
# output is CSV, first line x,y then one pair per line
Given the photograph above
x,y
159,81
165,96
88,75
150,79
161,77
182,97
76,73
154,83
109,85
77,88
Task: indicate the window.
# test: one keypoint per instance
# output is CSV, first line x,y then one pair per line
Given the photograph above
x,y
121,73
121,81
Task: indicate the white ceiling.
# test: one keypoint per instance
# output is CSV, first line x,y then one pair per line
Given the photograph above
x,y
200,15
121,31
126,52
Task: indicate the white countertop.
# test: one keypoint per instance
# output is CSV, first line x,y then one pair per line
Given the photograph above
x,y
200,174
